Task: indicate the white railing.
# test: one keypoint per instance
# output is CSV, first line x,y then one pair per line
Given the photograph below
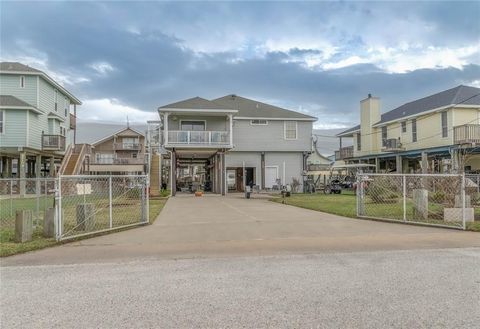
x,y
188,137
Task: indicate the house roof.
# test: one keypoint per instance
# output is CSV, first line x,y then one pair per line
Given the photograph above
x,y
460,95
464,95
249,108
116,133
9,101
194,103
19,68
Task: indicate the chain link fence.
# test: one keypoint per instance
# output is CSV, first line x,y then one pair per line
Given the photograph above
x,y
82,205
429,199
35,194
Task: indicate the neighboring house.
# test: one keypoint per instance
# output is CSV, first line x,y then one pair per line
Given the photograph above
x,y
36,121
229,142
120,153
316,161
438,133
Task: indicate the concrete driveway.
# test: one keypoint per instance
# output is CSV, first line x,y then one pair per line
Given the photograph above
x,y
190,227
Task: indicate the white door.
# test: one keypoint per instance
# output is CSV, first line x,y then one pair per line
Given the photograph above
x,y
271,175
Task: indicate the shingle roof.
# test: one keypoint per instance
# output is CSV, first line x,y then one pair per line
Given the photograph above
x,y
195,103
357,127
251,108
455,96
17,67
8,100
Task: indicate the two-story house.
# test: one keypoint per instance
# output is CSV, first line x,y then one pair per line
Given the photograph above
x,y
437,133
37,121
227,143
120,153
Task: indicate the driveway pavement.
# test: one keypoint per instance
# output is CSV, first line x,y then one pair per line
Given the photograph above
x,y
212,226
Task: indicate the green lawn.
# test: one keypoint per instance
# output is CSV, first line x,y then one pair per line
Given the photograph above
x,y
123,210
345,205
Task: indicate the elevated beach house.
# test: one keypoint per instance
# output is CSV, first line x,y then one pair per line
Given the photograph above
x,y
37,121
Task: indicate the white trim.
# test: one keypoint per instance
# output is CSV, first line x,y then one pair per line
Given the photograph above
x,y
27,133
22,77
285,130
194,120
50,80
258,124
38,91
54,116
28,108
276,119
172,110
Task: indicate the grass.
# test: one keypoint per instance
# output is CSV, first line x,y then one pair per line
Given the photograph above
x,y
9,247
345,205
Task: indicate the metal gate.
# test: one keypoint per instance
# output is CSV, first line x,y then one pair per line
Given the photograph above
x,y
427,199
87,204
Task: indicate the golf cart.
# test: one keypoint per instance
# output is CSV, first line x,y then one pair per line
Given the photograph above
x,y
344,176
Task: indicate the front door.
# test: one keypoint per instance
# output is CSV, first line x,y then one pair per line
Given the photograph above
x,y
271,175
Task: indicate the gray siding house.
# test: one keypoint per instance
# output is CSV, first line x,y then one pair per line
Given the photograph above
x,y
221,145
37,121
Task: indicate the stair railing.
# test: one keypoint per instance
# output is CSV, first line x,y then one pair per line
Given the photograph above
x,y
66,159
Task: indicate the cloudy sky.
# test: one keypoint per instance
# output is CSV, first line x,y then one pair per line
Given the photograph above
x,y
320,58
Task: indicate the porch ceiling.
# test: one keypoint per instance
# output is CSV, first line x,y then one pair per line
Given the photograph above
x,y
195,153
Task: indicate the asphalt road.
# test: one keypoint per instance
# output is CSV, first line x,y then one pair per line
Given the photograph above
x,y
382,289
231,263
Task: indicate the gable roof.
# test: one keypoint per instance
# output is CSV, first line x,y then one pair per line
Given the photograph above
x,y
19,68
116,133
249,108
464,95
460,95
9,101
194,103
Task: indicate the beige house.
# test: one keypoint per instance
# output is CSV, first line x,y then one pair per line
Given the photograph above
x,y
120,153
437,133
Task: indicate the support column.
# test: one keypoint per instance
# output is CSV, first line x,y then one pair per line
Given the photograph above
x,y
398,164
52,167
262,171
424,162
222,174
9,167
173,173
21,171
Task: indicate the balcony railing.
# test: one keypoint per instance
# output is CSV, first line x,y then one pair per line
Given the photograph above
x,y
127,146
53,142
118,161
183,137
344,153
466,134
392,145
73,121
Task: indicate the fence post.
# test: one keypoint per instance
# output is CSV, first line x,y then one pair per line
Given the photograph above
x,y
463,200
58,208
110,200
360,210
11,197
404,179
147,195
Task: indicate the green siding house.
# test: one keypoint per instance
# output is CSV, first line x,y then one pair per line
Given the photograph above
x,y
37,122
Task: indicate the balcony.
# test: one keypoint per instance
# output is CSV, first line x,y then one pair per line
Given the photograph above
x,y
73,121
198,138
118,161
53,142
466,134
392,145
344,153
127,146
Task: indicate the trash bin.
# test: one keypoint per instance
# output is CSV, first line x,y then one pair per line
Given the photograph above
x,y
248,190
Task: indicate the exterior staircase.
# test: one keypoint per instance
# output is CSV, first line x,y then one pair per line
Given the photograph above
x,y
155,175
75,157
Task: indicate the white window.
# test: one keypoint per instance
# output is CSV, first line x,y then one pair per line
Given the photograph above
x,y
290,129
66,106
2,121
444,124
258,122
22,81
